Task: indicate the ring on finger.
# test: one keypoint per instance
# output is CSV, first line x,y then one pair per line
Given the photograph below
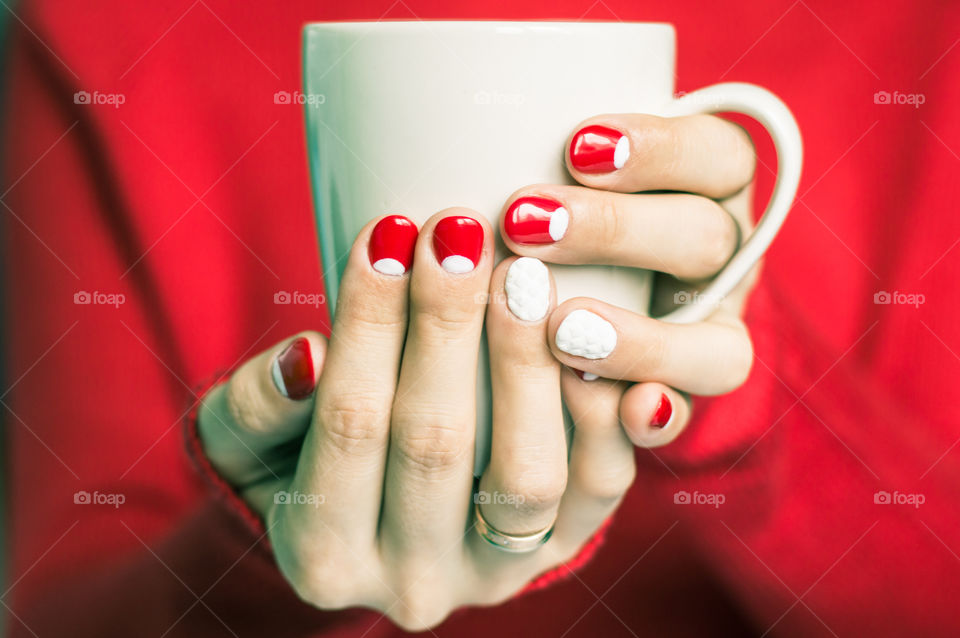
x,y
515,544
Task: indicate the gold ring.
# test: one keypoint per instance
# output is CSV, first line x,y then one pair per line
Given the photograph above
x,y
510,542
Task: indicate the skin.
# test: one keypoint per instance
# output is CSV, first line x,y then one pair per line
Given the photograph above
x,y
386,440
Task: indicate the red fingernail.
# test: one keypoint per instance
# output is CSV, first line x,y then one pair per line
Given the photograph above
x,y
663,413
391,245
598,149
586,376
293,370
457,243
536,220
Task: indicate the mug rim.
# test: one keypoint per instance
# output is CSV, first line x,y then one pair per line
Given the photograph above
x,y
516,24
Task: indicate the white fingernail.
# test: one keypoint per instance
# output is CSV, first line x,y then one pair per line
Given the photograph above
x,y
585,334
589,376
528,289
622,153
457,264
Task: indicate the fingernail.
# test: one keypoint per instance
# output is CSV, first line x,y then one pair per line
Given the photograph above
x,y
536,220
391,245
663,414
586,376
457,243
598,149
293,370
585,334
527,285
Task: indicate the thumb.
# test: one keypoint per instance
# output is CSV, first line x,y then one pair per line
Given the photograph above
x,y
246,422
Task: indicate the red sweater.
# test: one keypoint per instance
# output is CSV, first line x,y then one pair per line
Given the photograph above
x,y
191,200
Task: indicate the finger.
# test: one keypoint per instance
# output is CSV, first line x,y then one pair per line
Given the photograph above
x,y
701,154
344,453
521,489
245,422
601,460
653,414
430,465
687,236
706,358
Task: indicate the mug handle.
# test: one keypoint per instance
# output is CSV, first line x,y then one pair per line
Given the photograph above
x,y
773,114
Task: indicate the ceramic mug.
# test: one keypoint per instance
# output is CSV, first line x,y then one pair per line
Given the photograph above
x,y
412,117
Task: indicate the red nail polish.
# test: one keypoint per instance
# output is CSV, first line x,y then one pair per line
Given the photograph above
x,y
663,413
391,245
457,243
586,376
598,149
293,370
536,220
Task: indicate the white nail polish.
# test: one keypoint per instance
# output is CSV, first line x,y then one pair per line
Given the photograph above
x,y
585,334
589,376
457,264
559,221
622,152
277,375
527,286
389,266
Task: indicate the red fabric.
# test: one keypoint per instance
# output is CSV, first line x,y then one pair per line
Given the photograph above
x,y
847,397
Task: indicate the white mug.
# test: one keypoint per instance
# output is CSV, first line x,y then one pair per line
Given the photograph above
x,y
413,117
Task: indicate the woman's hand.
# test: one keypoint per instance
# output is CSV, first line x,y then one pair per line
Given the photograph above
x,y
688,235
376,463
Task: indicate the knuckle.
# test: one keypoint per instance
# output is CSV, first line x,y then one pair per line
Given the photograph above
x,y
246,404
432,444
740,361
607,219
420,607
536,491
718,237
604,482
351,420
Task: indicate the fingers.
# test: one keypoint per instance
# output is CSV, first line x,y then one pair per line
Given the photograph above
x,y
430,465
653,414
688,236
701,154
344,454
705,358
265,403
601,460
521,489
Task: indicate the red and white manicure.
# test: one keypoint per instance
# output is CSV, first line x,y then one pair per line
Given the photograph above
x,y
536,220
292,370
391,245
599,149
458,243
663,415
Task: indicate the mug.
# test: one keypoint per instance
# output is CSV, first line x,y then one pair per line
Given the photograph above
x,y
412,117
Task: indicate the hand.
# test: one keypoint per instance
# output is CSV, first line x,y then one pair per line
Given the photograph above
x,y
377,461
687,235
